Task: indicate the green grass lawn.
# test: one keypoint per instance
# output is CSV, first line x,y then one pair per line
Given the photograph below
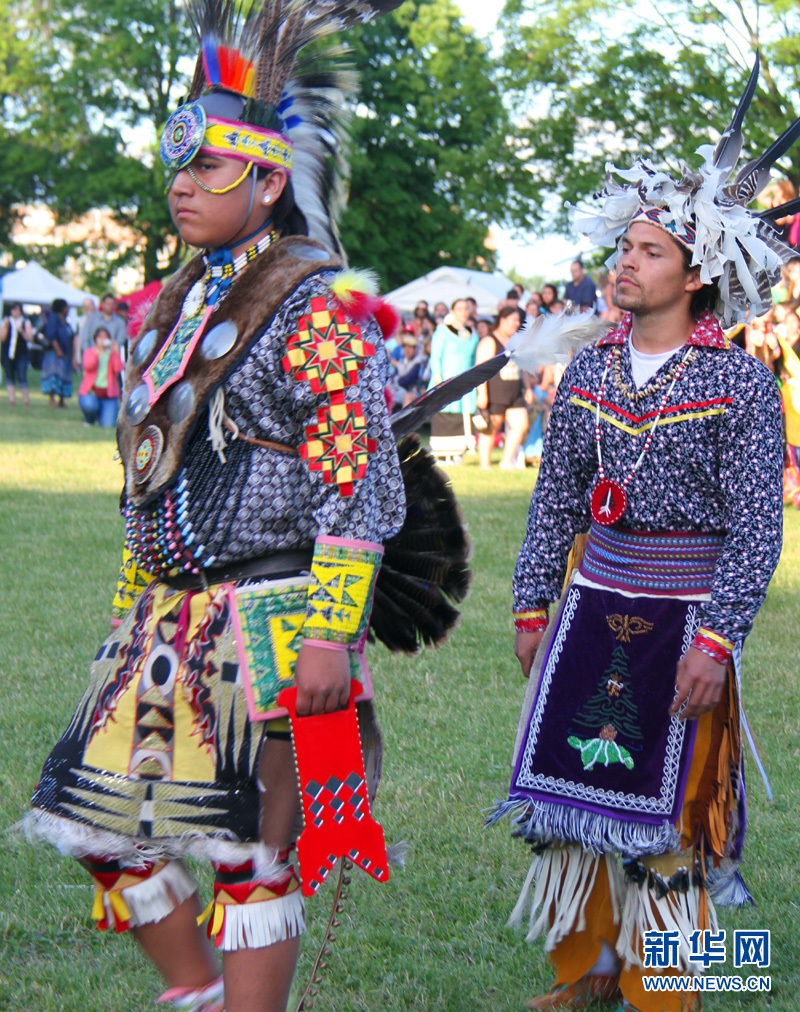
x,y
433,937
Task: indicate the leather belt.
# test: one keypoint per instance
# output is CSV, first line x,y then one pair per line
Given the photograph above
x,y
276,564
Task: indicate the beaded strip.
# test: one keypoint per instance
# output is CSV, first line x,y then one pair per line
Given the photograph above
x,y
688,355
715,646
530,621
219,273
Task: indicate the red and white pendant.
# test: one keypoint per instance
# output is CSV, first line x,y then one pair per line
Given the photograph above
x,y
609,502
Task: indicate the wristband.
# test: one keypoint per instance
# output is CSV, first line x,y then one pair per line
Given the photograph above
x,y
531,621
343,574
713,645
325,644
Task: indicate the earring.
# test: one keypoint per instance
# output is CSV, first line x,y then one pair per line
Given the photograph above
x,y
267,200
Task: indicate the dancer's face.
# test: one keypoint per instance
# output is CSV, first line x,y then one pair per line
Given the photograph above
x,y
209,220
650,272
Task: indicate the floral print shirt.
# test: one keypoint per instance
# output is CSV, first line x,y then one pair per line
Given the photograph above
x,y
714,465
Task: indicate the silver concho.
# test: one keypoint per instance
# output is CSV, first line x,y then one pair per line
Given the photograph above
x,y
219,340
181,402
195,299
138,404
143,348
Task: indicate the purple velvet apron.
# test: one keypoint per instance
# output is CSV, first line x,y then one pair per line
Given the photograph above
x,y
601,762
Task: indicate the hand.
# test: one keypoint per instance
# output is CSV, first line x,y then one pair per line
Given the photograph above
x,y
529,396
700,680
525,646
323,680
483,401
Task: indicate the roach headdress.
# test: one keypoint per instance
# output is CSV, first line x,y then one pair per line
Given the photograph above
x,y
257,98
739,249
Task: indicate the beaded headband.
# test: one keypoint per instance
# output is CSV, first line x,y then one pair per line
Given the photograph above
x,y
738,249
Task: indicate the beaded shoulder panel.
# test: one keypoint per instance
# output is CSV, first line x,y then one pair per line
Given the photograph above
x,y
152,436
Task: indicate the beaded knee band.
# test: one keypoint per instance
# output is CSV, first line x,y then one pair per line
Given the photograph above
x,y
251,912
128,897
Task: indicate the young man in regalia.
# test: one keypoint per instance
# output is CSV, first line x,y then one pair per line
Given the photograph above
x,y
261,483
665,445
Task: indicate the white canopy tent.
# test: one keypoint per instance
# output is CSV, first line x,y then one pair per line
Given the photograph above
x,y
33,285
446,284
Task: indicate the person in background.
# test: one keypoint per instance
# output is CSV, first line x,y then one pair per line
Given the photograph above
x,y
16,334
504,398
106,317
452,352
88,308
57,362
557,307
439,312
98,394
549,295
535,305
483,327
424,324
581,291
472,311
123,312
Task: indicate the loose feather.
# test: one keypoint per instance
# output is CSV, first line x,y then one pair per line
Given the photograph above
x,y
729,146
756,174
553,338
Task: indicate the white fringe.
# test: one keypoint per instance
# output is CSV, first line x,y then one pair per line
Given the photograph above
x,y
564,878
155,897
257,925
677,911
76,839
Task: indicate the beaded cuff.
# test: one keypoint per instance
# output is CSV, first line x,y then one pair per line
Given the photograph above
x,y
343,574
131,582
530,621
716,647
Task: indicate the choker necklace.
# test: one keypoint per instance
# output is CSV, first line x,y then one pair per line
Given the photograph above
x,y
220,271
609,498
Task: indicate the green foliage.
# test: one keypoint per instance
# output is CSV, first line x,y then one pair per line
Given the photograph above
x,y
85,88
596,82
434,159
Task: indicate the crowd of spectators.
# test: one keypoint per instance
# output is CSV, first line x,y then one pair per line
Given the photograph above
x,y
93,346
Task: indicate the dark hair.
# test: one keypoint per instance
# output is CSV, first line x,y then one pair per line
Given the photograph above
x,y
286,218
512,293
100,330
704,299
553,288
122,305
108,295
510,311
58,305
461,298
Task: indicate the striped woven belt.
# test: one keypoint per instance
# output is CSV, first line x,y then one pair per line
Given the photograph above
x,y
664,563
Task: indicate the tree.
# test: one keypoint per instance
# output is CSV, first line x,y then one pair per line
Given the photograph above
x,y
434,158
83,110
607,85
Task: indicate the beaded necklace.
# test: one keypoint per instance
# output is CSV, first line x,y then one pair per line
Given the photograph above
x,y
220,271
652,386
609,498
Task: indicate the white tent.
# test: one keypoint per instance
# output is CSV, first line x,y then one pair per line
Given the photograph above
x,y
446,284
34,285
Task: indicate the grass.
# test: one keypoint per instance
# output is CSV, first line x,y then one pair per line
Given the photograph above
x,y
433,937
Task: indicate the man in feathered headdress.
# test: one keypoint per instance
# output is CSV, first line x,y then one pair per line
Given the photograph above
x,y
261,483
665,444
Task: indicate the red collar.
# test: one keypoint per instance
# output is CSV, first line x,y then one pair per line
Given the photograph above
x,y
706,334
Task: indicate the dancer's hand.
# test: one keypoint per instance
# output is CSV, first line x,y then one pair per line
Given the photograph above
x,y
700,680
525,646
323,680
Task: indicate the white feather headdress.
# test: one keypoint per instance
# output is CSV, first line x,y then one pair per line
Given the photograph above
x,y
739,249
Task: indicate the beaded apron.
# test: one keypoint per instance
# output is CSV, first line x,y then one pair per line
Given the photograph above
x,y
602,763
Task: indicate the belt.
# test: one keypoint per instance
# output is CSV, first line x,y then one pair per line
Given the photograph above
x,y
275,564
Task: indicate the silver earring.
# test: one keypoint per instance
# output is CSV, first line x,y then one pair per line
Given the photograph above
x,y
267,200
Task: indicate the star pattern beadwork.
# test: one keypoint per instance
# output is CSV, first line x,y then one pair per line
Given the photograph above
x,y
327,349
339,444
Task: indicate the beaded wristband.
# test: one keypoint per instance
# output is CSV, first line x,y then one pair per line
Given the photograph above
x,y
530,621
343,574
715,646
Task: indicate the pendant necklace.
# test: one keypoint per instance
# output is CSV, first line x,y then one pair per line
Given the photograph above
x,y
609,498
